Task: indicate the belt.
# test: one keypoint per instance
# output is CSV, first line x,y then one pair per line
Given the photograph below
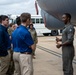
x,y
26,53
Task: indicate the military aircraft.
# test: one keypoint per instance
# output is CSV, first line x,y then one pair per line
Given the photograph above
x,y
52,10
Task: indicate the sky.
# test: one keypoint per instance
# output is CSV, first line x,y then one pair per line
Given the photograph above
x,y
16,7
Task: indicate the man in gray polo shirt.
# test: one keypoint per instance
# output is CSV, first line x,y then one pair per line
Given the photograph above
x,y
67,44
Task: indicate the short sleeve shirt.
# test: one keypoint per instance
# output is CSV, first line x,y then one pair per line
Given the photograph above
x,y
68,34
22,40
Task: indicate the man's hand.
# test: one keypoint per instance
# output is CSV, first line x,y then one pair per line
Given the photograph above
x,y
58,45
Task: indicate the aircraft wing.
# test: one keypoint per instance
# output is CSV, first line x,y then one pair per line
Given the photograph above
x,y
52,11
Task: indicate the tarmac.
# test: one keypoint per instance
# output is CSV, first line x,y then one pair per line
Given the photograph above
x,y
46,63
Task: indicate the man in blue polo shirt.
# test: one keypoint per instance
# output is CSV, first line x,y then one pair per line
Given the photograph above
x,y
23,43
4,45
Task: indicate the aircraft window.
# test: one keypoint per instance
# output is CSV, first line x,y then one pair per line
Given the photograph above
x,y
33,20
37,20
41,20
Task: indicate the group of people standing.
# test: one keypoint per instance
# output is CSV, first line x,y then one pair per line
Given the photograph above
x,y
24,40
17,45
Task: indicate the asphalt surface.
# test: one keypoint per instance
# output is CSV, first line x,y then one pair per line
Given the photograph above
x,y
47,63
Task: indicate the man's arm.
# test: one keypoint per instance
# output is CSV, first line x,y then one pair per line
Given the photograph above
x,y
61,44
33,47
1,37
70,38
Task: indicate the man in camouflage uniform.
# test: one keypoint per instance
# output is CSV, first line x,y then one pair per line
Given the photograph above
x,y
34,37
10,51
67,44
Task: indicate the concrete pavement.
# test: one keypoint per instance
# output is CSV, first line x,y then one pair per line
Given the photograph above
x,y
46,63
